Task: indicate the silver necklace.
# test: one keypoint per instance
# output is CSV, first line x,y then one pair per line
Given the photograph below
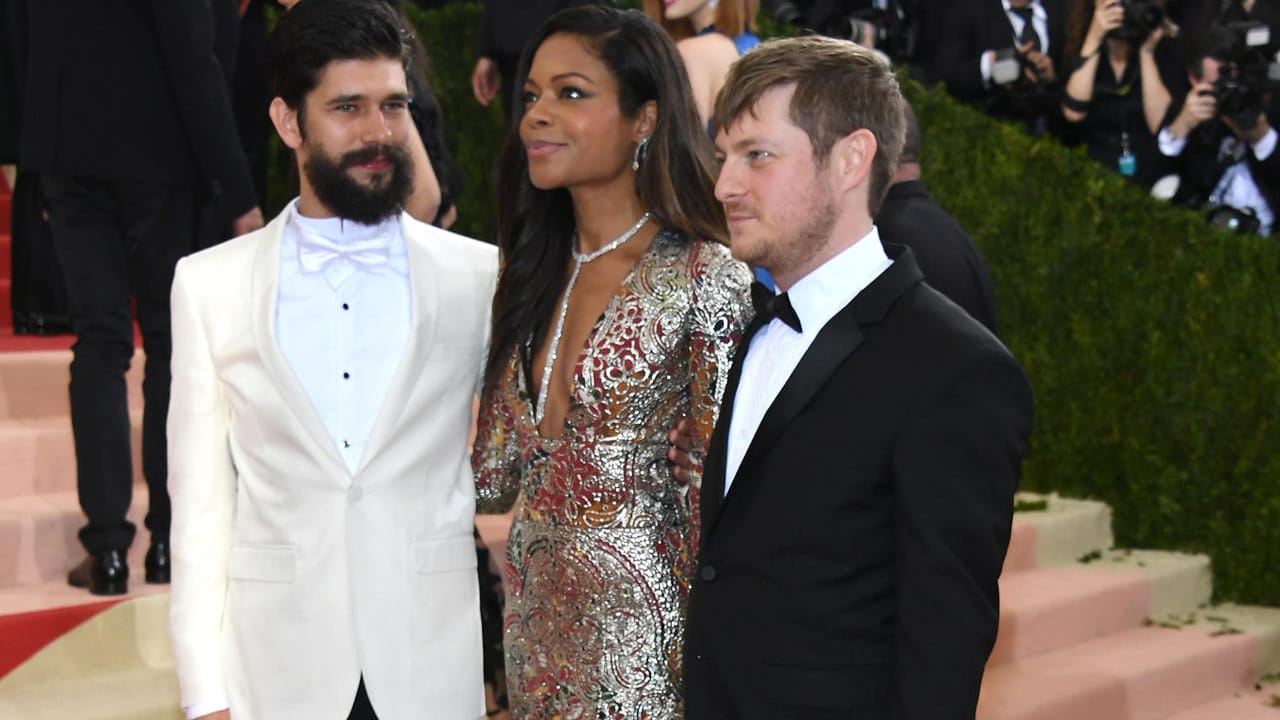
x,y
579,259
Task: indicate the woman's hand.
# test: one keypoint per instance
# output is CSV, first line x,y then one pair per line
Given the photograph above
x,y
1107,16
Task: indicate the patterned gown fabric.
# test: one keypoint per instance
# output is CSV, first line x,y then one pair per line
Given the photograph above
x,y
602,548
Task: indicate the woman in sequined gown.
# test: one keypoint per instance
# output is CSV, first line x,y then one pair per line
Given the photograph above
x,y
617,311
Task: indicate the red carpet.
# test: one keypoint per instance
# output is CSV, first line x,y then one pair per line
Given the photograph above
x,y
25,634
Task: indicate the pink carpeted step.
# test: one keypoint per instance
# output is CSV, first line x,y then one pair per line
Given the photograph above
x,y
38,542
1142,674
1043,610
33,385
39,456
1262,704
1022,547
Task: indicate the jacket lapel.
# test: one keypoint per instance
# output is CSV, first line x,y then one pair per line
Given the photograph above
x,y
266,295
837,340
423,288
713,470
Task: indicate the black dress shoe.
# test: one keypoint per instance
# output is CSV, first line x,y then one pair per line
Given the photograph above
x,y
158,562
103,573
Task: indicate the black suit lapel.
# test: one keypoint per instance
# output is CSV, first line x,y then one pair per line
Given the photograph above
x,y
841,336
713,469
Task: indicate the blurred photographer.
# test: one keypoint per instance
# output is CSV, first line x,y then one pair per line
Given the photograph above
x,y
887,26
1004,55
1220,139
1120,68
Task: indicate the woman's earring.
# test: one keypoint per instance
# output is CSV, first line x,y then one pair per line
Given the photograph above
x,y
712,4
639,157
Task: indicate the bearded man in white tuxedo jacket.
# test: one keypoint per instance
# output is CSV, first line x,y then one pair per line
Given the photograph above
x,y
323,375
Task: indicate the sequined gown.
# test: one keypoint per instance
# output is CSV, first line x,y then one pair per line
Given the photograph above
x,y
602,548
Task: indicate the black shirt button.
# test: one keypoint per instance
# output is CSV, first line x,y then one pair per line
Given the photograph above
x,y
708,573
346,376
346,306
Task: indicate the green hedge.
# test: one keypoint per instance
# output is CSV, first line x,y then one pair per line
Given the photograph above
x,y
1152,341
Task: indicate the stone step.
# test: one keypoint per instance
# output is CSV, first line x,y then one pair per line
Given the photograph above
x,y
38,537
33,385
1147,673
1045,609
1262,703
1059,534
139,694
115,666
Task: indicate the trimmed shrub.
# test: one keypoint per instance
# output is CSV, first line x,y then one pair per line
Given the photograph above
x,y
1151,339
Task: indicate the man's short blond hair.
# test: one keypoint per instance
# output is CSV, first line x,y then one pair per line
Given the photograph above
x,y
840,87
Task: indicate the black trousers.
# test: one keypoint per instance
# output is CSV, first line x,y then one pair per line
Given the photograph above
x,y
118,243
362,709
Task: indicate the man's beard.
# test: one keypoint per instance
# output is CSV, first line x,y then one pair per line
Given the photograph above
x,y
352,200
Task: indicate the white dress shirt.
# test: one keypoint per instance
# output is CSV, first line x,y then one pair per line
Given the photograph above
x,y
1237,186
776,349
342,327
1039,23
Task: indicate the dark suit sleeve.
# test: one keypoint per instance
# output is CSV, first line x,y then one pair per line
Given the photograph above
x,y
186,36
957,62
956,467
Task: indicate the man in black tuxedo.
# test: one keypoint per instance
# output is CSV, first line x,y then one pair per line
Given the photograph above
x,y
967,57
947,257
857,494
1224,156
127,122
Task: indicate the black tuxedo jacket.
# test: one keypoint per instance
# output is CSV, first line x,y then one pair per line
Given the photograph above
x,y
131,91
1199,169
946,254
976,26
851,569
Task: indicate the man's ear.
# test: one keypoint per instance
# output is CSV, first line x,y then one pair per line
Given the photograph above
x,y
285,119
852,157
646,120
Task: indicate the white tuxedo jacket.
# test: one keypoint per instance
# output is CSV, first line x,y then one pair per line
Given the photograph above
x,y
292,577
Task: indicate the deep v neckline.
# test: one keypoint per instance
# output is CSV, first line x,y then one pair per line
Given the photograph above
x,y
588,343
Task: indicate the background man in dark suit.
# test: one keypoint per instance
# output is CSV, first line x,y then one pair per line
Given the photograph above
x,y
967,55
945,253
857,495
505,28
127,122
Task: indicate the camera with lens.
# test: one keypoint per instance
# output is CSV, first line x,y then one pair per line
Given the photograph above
x,y
887,25
1242,221
1247,75
1141,18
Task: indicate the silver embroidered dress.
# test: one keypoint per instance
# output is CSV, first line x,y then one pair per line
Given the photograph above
x,y
602,549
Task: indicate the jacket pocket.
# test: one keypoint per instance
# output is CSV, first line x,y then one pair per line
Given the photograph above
x,y
263,563
444,555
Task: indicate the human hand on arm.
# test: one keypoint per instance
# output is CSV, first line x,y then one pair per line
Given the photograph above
x,y
1200,105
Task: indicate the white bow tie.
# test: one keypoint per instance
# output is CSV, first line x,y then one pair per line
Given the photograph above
x,y
338,261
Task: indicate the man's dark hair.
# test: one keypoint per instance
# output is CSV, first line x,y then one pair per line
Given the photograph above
x,y
1215,42
317,32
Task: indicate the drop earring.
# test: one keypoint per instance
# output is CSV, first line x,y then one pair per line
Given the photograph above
x,y
639,156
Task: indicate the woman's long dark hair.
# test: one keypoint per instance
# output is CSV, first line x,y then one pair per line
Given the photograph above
x,y
675,182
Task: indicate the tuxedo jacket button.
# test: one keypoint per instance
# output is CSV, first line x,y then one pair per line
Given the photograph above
x,y
708,572
355,493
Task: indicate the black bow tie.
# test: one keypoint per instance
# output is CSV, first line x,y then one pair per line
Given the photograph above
x,y
769,306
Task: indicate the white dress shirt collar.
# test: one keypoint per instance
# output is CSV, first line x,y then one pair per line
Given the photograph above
x,y
818,296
